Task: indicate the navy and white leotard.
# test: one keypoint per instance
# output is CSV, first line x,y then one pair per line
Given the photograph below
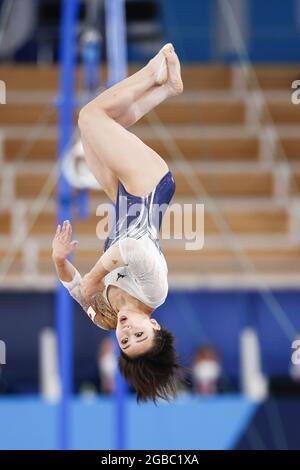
x,y
136,230
138,216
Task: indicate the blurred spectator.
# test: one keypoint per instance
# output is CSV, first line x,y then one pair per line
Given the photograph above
x,y
206,371
107,364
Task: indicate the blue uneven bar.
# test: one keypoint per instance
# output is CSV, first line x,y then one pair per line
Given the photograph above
x,y
63,304
117,66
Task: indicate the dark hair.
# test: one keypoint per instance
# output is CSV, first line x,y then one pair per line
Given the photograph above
x,y
153,374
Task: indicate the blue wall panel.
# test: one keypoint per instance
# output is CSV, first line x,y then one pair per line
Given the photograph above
x,y
27,423
187,423
215,317
188,24
273,30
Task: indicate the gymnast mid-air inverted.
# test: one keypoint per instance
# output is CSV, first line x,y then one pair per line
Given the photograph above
x,y
129,281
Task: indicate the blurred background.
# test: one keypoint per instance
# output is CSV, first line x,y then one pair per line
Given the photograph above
x,y
232,141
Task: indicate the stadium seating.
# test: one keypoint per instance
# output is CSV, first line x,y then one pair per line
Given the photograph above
x,y
232,136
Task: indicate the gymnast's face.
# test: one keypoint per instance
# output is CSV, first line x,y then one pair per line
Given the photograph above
x,y
135,333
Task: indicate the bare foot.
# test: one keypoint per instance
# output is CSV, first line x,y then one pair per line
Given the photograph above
x,y
174,82
158,65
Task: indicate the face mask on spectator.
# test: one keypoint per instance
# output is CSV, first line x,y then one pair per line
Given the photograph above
x,y
107,365
207,371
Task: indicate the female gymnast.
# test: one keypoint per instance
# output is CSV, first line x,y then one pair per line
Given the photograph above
x,y
129,281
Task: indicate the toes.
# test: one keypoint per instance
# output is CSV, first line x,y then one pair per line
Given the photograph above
x,y
168,49
162,73
174,75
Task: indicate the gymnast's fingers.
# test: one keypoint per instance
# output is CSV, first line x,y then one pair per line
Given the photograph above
x,y
57,230
69,230
64,230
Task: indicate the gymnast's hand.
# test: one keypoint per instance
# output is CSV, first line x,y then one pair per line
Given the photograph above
x,y
62,245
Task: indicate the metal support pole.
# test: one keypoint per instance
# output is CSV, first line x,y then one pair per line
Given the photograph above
x,y
115,19
64,320
91,58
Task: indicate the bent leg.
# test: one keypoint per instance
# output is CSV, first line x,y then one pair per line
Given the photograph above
x,y
143,105
132,98
103,174
118,99
138,166
157,94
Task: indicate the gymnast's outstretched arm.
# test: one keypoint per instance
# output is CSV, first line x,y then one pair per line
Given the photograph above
x,y
95,306
62,247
